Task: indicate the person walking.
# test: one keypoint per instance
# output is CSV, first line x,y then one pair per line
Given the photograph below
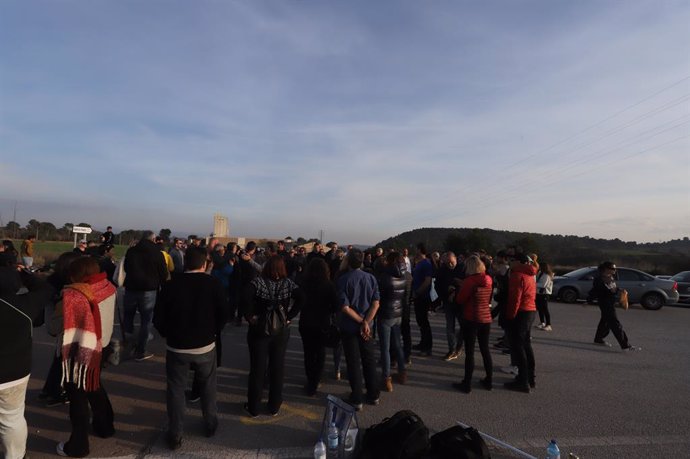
x,y
544,289
394,293
316,317
86,328
273,290
475,297
190,314
145,271
358,295
605,290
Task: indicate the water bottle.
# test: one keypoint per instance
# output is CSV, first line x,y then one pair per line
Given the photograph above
x,y
333,440
552,451
319,450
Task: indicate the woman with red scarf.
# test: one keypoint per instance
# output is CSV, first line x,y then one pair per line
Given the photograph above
x,y
81,355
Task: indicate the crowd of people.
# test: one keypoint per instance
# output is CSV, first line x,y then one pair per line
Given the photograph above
x,y
345,299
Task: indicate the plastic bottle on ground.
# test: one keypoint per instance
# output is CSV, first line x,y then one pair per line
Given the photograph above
x,y
333,441
320,450
552,451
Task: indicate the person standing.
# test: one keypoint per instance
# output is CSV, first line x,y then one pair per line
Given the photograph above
x,y
320,305
544,289
448,279
605,290
190,314
475,297
272,290
145,271
85,331
108,238
177,255
422,274
27,251
358,295
520,311
17,316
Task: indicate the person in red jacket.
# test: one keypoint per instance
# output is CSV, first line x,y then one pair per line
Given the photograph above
x,y
475,297
520,312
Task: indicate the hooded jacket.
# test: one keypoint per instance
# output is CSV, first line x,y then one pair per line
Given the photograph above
x,y
394,291
522,290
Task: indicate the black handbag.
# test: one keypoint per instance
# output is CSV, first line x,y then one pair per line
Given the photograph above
x,y
274,320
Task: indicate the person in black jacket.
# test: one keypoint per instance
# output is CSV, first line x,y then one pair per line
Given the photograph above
x,y
606,292
271,290
448,280
321,303
145,271
18,315
190,314
395,292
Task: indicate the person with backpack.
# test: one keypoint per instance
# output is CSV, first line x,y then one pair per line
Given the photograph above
x,y
544,289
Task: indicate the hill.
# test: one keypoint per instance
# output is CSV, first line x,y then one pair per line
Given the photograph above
x,y
563,252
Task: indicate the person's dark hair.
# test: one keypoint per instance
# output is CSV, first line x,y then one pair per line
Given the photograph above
x,y
421,248
231,247
251,245
546,268
355,258
194,258
62,263
318,270
393,258
274,268
109,228
147,235
83,267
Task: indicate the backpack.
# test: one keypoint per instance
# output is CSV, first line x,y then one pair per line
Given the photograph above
x,y
458,442
402,436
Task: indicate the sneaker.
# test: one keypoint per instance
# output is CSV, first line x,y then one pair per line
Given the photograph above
x,y
141,356
191,397
451,355
373,401
51,402
60,449
510,370
602,343
388,384
150,337
246,409
547,328
401,377
517,387
408,361
632,348
337,375
541,326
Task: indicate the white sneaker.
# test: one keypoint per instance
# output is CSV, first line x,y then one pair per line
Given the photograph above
x,y
548,328
541,326
510,370
60,449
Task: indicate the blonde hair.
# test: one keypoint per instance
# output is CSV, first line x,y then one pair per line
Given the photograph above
x,y
473,265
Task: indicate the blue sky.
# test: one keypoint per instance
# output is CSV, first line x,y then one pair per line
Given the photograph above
x,y
364,119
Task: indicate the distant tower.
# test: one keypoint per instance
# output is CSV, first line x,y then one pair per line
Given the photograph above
x,y
220,226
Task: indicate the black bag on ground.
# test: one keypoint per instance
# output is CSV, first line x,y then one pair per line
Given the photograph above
x,y
402,436
458,443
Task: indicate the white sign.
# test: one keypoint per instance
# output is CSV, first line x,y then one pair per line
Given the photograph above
x,y
81,229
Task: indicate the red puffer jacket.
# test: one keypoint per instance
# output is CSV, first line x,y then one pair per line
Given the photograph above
x,y
522,290
475,296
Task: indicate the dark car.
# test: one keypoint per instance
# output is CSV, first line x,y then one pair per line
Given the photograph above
x,y
651,292
683,280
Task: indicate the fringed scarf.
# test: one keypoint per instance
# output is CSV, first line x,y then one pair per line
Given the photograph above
x,y
81,343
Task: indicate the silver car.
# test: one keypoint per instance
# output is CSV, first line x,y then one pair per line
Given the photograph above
x,y
651,292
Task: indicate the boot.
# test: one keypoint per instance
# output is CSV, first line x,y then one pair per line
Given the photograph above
x,y
388,384
402,377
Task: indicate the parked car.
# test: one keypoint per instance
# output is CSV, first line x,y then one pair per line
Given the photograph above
x,y
683,280
651,292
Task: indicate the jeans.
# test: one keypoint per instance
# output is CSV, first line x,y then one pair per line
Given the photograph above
x,y
421,312
143,302
101,411
542,302
454,338
28,262
13,429
520,330
314,355
471,332
177,367
389,338
359,355
609,322
266,352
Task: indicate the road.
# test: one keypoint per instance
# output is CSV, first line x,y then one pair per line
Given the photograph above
x,y
597,402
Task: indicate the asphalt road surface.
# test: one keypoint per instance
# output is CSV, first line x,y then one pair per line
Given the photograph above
x,y
596,402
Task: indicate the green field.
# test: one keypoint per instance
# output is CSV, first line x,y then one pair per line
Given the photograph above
x,y
47,251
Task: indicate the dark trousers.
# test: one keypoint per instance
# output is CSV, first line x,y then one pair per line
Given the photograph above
x,y
406,332
520,333
542,302
471,332
314,355
359,355
453,337
266,352
177,368
421,312
609,322
101,411
52,385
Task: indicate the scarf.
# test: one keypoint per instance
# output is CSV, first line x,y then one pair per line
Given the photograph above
x,y
81,343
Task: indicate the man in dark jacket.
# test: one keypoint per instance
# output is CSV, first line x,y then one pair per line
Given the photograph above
x,y
190,313
145,271
448,279
605,290
18,315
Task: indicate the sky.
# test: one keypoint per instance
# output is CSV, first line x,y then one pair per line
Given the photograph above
x,y
362,119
